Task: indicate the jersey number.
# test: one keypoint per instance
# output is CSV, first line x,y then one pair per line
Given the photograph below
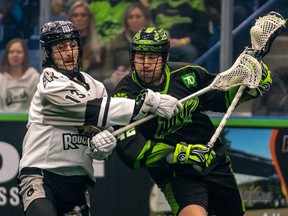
x,y
76,95
126,134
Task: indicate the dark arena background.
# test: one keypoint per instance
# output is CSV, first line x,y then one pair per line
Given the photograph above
x,y
122,191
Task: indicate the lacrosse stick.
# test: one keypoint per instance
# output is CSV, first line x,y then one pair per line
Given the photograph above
x,y
241,73
264,32
262,35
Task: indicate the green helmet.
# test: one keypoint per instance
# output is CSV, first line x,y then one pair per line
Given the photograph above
x,y
151,40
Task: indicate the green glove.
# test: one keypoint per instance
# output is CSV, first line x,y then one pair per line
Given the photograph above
x,y
266,80
198,155
264,84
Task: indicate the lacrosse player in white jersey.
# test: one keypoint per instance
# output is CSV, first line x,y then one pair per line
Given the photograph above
x,y
70,110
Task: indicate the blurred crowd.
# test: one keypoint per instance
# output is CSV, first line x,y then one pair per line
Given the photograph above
x,y
106,28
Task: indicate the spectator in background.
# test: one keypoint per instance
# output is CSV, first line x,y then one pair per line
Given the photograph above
x,y
19,19
108,15
93,51
187,24
12,20
276,102
60,8
18,81
117,63
57,10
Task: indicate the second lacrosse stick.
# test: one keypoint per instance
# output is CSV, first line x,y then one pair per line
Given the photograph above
x,y
262,35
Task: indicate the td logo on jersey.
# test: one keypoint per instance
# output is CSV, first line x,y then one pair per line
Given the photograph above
x,y
189,80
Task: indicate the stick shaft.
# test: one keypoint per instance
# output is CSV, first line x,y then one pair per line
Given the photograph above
x,y
149,117
226,116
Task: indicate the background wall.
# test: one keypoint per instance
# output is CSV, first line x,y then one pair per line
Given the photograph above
x,y
121,191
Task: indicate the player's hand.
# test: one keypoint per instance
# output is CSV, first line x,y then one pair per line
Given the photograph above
x,y
266,80
198,155
102,145
264,84
162,105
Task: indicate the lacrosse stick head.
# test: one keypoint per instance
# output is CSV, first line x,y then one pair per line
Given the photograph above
x,y
246,70
264,32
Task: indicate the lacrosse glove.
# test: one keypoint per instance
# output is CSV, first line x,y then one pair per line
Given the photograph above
x,y
160,104
264,84
101,145
266,79
198,155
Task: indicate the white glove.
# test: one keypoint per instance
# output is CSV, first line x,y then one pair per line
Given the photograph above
x,y
162,105
101,145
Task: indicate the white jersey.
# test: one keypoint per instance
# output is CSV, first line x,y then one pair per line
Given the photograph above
x,y
60,119
16,95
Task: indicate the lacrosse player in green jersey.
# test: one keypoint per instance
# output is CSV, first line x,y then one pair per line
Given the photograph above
x,y
195,179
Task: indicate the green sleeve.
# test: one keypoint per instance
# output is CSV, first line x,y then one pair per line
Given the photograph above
x,y
247,95
153,154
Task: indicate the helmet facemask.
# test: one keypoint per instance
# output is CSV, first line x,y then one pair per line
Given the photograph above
x,y
65,55
148,54
149,67
65,38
